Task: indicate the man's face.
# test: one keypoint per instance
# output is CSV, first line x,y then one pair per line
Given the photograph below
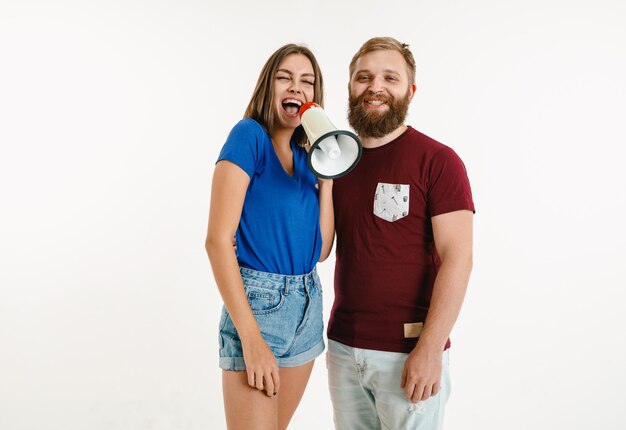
x,y
380,93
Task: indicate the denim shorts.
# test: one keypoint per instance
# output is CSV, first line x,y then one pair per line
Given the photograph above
x,y
288,310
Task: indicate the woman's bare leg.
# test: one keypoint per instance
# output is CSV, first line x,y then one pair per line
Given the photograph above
x,y
246,407
250,409
293,381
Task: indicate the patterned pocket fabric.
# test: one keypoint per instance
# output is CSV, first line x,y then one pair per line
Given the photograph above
x,y
391,201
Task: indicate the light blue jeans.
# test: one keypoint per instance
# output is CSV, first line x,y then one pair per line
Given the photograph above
x,y
288,310
365,390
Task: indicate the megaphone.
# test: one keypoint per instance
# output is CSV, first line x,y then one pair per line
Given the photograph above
x,y
333,152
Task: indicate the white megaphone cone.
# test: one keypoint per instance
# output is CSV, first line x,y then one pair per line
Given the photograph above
x,y
333,152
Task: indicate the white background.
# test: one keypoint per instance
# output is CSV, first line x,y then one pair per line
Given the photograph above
x,y
112,114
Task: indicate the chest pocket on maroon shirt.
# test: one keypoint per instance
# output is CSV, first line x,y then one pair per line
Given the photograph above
x,y
391,201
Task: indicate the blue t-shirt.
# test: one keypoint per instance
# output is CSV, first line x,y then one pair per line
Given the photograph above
x,y
279,229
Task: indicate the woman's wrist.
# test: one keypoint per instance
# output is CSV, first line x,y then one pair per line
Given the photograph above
x,y
325,183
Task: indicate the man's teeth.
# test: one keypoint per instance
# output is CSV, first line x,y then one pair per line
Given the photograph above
x,y
376,102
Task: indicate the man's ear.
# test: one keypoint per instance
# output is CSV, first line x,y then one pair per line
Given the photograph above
x,y
413,90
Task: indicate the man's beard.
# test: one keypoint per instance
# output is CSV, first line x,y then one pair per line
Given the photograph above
x,y
375,124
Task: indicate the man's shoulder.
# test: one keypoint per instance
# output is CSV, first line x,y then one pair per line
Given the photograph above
x,y
424,142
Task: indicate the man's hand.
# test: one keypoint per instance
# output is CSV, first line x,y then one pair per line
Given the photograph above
x,y
421,375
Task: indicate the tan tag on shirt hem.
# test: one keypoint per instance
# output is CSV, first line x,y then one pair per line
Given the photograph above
x,y
413,329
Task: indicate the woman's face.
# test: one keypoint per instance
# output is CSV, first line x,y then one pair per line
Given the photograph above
x,y
294,85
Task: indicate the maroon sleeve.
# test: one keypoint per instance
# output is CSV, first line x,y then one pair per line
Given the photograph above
x,y
449,188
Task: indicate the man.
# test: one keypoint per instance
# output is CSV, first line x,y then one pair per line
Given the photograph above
x,y
403,218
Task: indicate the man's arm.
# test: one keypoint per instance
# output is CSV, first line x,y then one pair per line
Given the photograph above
x,y
452,231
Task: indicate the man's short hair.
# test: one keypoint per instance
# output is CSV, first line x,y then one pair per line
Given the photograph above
x,y
386,43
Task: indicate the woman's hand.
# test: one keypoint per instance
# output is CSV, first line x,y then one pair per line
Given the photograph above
x,y
324,183
261,366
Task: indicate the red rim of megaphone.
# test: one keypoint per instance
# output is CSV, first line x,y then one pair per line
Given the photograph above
x,y
306,107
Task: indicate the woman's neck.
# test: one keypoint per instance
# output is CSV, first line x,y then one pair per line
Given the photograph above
x,y
281,138
281,142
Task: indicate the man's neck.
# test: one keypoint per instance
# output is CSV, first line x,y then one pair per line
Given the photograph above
x,y
375,142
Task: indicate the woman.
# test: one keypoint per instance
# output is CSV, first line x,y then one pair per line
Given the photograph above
x,y
264,195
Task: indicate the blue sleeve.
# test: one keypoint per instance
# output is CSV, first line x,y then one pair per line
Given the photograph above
x,y
243,146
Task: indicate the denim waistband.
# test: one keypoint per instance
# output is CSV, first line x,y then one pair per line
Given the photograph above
x,y
287,281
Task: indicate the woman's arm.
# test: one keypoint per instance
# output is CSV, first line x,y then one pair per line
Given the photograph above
x,y
228,192
327,216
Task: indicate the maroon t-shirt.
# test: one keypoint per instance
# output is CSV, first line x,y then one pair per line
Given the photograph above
x,y
386,260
